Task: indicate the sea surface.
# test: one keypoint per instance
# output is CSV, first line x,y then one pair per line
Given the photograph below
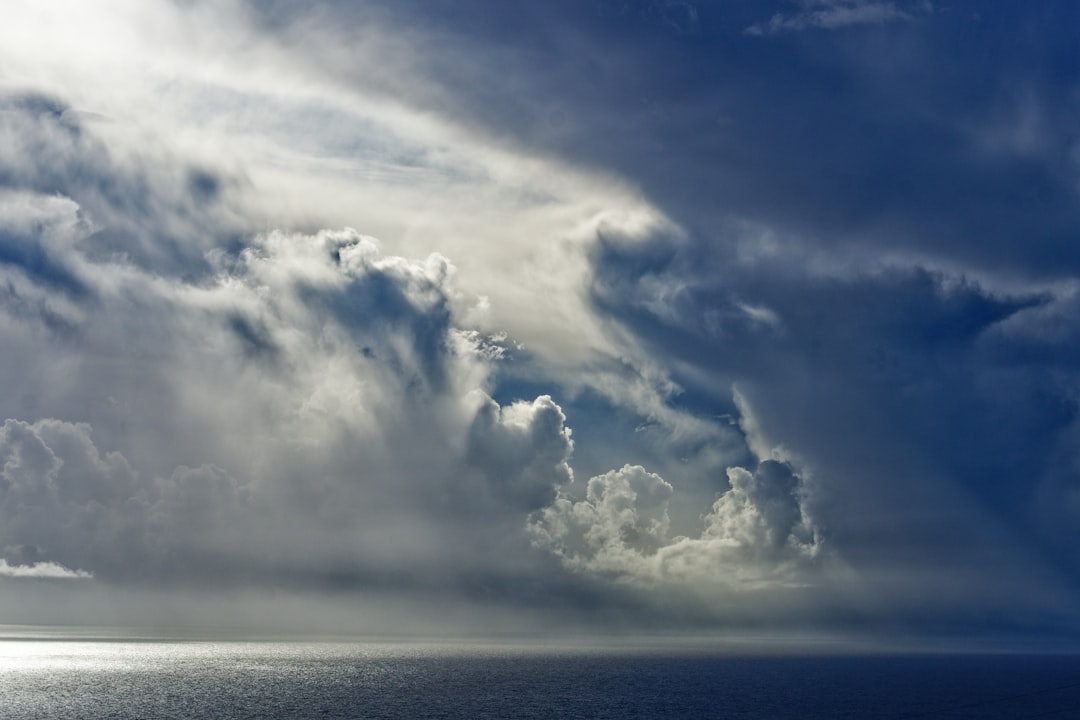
x,y
59,678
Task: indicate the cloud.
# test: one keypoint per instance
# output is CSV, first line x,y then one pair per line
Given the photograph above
x,y
522,449
832,14
901,392
47,570
621,522
310,408
321,417
762,512
776,285
224,152
162,212
60,493
756,533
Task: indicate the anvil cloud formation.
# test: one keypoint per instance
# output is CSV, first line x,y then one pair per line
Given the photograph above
x,y
647,315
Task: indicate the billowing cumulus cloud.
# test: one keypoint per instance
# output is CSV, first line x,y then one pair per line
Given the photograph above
x,y
622,521
370,413
522,450
61,495
754,533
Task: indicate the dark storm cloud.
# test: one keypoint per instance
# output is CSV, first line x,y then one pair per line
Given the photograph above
x,y
880,201
949,134
931,435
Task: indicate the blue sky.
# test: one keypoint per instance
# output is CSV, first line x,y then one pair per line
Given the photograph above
x,y
495,317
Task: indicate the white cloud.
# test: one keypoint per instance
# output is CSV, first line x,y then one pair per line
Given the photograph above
x,y
177,137
241,104
522,449
620,524
47,570
831,14
310,406
757,533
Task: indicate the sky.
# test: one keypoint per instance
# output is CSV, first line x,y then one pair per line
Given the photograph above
x,y
613,316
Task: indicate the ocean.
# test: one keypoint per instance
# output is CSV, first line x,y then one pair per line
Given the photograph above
x,y
88,678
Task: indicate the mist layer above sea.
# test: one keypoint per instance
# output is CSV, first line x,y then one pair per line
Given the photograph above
x,y
58,676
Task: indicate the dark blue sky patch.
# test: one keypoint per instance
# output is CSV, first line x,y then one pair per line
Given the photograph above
x,y
254,337
32,258
204,186
373,308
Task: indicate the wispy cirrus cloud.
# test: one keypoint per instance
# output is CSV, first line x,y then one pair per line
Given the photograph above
x,y
834,14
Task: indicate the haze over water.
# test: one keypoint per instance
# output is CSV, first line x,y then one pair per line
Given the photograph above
x,y
48,673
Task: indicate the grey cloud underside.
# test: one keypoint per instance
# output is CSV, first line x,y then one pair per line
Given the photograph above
x,y
159,212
